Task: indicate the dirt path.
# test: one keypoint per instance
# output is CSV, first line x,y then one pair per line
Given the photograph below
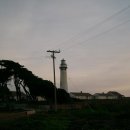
x,y
11,115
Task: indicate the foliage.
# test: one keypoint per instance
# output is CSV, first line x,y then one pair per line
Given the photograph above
x,y
63,96
40,121
4,93
82,119
32,85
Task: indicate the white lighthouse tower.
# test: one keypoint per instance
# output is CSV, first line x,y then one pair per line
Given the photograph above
x,y
63,75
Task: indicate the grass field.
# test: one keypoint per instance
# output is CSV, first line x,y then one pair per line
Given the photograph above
x,y
99,116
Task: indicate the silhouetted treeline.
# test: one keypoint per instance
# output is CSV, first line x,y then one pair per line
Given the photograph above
x,y
32,85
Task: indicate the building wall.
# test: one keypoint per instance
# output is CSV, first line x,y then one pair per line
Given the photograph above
x,y
112,97
63,80
95,96
81,97
100,97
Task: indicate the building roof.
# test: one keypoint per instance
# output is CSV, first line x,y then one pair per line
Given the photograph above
x,y
99,94
114,93
110,93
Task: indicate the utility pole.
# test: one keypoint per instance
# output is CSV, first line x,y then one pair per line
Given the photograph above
x,y
53,57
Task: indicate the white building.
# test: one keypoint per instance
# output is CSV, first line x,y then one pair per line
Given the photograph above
x,y
109,95
100,96
63,75
81,95
39,98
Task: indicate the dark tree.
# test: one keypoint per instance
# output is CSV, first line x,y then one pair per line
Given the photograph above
x,y
63,96
4,93
31,84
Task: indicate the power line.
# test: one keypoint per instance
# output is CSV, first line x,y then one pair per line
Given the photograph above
x,y
95,26
98,35
80,34
86,31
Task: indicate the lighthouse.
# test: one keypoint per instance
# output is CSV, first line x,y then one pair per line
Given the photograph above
x,y
63,75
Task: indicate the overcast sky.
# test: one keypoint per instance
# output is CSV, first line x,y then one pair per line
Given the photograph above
x,y
93,36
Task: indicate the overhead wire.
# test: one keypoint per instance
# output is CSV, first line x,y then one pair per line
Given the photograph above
x,y
85,32
98,35
94,27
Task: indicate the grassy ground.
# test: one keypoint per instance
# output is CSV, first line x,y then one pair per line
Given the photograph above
x,y
39,121
97,117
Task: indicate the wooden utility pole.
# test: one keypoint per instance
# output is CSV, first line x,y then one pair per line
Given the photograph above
x,y
53,57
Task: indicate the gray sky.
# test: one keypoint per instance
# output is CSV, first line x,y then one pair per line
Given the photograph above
x,y
93,36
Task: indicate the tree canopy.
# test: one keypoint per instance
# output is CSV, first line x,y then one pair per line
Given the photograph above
x,y
32,85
